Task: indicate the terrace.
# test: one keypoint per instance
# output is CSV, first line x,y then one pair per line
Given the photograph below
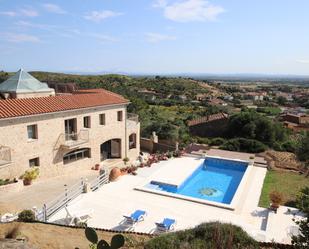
x,y
109,211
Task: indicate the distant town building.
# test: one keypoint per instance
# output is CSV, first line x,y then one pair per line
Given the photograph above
x,y
217,102
255,96
287,96
228,97
295,121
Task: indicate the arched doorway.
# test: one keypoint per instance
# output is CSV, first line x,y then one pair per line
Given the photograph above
x,y
110,149
132,141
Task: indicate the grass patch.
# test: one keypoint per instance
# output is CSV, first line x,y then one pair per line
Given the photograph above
x,y
273,111
287,183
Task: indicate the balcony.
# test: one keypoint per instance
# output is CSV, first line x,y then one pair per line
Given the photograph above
x,y
72,140
5,156
132,120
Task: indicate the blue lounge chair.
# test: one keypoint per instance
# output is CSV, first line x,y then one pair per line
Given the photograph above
x,y
135,217
166,225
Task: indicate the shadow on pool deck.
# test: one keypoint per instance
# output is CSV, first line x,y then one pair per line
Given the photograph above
x,y
40,192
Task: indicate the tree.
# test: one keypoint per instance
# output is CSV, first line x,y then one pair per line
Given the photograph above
x,y
301,241
281,100
252,125
303,150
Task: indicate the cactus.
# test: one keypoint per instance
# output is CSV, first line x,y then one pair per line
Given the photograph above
x,y
91,235
116,242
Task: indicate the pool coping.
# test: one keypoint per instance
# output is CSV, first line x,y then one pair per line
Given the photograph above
x,y
231,206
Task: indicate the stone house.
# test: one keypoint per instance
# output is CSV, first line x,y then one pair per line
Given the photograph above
x,y
63,134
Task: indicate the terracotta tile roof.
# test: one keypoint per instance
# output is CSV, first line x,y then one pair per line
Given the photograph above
x,y
79,100
208,118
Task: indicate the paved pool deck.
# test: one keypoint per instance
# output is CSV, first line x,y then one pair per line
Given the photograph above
x,y
119,198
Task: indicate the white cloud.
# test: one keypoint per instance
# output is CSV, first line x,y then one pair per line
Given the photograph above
x,y
160,4
9,13
22,12
190,10
303,61
156,37
53,8
12,37
29,12
103,38
97,16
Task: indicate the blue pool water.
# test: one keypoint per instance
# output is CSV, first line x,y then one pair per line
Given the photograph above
x,y
215,180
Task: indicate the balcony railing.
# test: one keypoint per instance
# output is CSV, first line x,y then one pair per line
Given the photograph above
x,y
132,120
132,117
72,140
5,155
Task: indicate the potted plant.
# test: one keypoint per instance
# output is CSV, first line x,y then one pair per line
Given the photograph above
x,y
30,175
97,166
125,160
276,199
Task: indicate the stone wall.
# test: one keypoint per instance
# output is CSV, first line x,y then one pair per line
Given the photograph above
x,y
13,133
213,128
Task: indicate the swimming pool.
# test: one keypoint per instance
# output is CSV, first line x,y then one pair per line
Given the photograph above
x,y
215,180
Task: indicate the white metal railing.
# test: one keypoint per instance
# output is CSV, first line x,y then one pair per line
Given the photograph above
x,y
70,194
71,140
99,181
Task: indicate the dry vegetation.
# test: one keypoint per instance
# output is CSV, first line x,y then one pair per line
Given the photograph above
x,y
283,160
45,236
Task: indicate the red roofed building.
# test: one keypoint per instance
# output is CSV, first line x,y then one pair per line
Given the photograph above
x,y
65,133
209,126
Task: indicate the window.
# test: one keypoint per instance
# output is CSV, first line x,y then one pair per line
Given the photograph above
x,y
32,132
87,123
76,155
119,115
34,162
102,119
132,141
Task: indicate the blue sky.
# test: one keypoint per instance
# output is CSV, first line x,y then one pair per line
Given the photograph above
x,y
156,36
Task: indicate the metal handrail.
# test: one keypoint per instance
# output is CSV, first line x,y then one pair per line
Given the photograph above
x,y
64,138
70,194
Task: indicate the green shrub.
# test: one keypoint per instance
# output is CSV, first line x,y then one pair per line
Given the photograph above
x,y
202,140
217,141
204,236
26,216
5,181
244,145
277,146
289,146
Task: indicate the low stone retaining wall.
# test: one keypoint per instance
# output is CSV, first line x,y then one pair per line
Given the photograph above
x,y
12,187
